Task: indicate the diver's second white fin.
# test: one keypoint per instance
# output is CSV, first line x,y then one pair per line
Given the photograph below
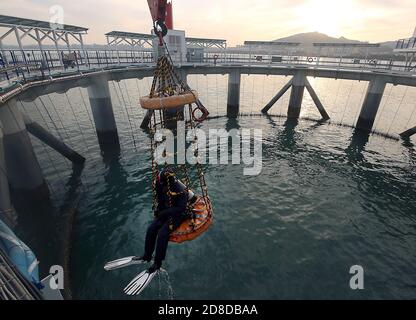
x,y
139,283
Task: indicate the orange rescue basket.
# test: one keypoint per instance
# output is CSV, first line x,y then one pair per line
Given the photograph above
x,y
191,229
170,102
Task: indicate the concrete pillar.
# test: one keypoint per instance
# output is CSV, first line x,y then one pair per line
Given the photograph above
x,y
371,103
146,120
6,208
102,111
317,101
296,95
408,133
277,97
233,102
24,172
46,137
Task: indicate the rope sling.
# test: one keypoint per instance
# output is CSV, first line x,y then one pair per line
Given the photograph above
x,y
171,100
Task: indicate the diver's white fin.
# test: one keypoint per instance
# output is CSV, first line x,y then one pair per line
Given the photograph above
x,y
139,283
123,262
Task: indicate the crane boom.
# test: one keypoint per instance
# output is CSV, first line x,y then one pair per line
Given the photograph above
x,y
158,9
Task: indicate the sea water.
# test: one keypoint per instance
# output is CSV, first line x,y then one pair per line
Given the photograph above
x,y
328,198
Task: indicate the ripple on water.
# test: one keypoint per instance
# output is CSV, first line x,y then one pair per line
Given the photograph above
x,y
325,200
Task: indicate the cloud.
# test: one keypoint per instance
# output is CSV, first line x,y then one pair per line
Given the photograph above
x,y
234,20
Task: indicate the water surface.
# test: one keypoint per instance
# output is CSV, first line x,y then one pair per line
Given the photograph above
x,y
328,198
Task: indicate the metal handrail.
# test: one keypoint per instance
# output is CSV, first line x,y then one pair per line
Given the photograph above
x,y
13,285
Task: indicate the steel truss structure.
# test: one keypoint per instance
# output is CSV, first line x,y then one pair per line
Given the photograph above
x,y
115,38
206,43
39,31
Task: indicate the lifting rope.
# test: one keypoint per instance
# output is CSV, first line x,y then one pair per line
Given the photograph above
x,y
361,103
382,108
167,94
59,117
126,109
347,102
42,145
398,109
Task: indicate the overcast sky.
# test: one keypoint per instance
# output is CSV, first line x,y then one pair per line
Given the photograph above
x,y
235,20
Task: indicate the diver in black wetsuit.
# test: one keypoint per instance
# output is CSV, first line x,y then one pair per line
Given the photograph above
x,y
170,213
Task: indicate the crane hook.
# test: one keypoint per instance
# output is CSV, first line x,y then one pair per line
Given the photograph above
x,y
161,30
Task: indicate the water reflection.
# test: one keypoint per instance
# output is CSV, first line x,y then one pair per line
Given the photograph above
x,y
358,142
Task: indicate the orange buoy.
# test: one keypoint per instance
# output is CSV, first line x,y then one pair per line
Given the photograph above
x,y
169,102
191,229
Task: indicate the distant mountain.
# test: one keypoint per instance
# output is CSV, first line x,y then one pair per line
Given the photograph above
x,y
389,44
308,38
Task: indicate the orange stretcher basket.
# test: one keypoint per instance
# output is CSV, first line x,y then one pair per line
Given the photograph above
x,y
171,102
192,229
